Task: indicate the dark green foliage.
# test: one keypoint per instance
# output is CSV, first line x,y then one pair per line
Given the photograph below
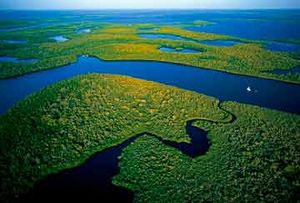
x,y
64,124
255,159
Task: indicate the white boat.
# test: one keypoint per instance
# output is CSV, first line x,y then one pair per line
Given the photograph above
x,y
249,89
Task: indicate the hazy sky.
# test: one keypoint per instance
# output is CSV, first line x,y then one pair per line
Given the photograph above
x,y
136,4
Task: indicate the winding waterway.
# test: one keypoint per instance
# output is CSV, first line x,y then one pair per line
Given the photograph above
x,y
92,181
226,87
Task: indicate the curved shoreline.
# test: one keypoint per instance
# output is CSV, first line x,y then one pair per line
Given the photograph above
x,y
226,87
159,61
63,186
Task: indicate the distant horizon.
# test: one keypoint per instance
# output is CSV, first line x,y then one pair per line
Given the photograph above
x,y
144,9
149,5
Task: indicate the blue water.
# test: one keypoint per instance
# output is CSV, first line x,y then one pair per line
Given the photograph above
x,y
183,50
224,86
249,24
82,31
59,38
283,46
16,60
253,30
224,43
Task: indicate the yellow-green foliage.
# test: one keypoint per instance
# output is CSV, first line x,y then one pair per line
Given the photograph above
x,y
190,34
120,42
255,159
64,124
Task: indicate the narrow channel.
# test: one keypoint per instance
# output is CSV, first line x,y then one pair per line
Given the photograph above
x,y
92,181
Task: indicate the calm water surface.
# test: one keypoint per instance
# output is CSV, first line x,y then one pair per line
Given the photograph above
x,y
224,86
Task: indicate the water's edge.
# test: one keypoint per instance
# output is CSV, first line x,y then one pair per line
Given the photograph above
x,y
92,181
221,85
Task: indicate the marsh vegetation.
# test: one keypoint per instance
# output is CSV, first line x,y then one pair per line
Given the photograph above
x,y
121,42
